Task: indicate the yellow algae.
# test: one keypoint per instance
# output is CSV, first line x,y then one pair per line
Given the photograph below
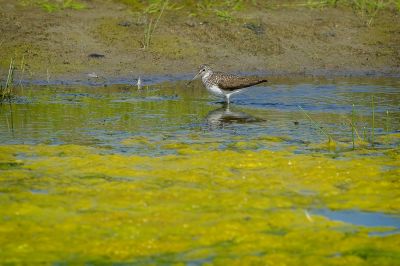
x,y
204,204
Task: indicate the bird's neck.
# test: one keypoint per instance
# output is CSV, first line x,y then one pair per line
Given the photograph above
x,y
206,77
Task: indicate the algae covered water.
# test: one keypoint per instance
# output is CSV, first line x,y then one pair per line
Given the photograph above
x,y
105,173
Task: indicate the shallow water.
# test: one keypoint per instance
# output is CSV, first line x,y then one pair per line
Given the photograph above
x,y
99,115
99,173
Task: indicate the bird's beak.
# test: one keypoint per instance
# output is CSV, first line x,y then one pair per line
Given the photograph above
x,y
195,77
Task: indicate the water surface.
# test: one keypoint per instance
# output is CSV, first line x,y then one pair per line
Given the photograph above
x,y
98,115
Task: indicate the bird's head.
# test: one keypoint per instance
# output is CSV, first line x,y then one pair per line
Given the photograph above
x,y
204,70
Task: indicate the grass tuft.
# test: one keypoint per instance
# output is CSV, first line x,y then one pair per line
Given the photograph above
x,y
151,25
367,9
224,9
55,5
224,15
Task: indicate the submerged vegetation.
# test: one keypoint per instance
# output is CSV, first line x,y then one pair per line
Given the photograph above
x,y
353,127
200,204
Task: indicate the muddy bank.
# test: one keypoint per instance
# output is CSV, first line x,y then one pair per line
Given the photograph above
x,y
283,40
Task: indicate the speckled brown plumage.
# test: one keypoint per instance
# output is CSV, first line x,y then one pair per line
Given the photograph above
x,y
229,82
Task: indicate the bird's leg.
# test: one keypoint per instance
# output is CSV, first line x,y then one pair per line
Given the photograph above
x,y
226,106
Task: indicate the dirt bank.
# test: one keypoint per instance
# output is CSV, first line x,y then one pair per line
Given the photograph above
x,y
282,40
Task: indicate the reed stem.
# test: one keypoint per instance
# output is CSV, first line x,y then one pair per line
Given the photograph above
x,y
318,126
352,126
22,68
373,121
7,89
364,134
387,122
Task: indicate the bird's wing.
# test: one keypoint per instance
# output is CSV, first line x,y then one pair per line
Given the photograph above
x,y
232,82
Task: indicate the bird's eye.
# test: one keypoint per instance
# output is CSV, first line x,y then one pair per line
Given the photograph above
x,y
203,70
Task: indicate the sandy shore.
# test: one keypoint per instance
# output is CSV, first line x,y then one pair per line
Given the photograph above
x,y
328,41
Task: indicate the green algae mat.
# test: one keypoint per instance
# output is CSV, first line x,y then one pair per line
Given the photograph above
x,y
166,176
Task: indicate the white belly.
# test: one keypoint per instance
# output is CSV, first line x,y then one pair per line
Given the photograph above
x,y
214,90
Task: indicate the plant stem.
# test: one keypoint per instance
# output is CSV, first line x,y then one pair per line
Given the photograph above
x,y
364,134
6,91
387,121
10,74
330,139
151,27
373,121
47,76
352,125
159,16
22,67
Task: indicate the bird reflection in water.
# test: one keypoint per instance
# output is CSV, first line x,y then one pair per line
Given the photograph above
x,y
221,117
